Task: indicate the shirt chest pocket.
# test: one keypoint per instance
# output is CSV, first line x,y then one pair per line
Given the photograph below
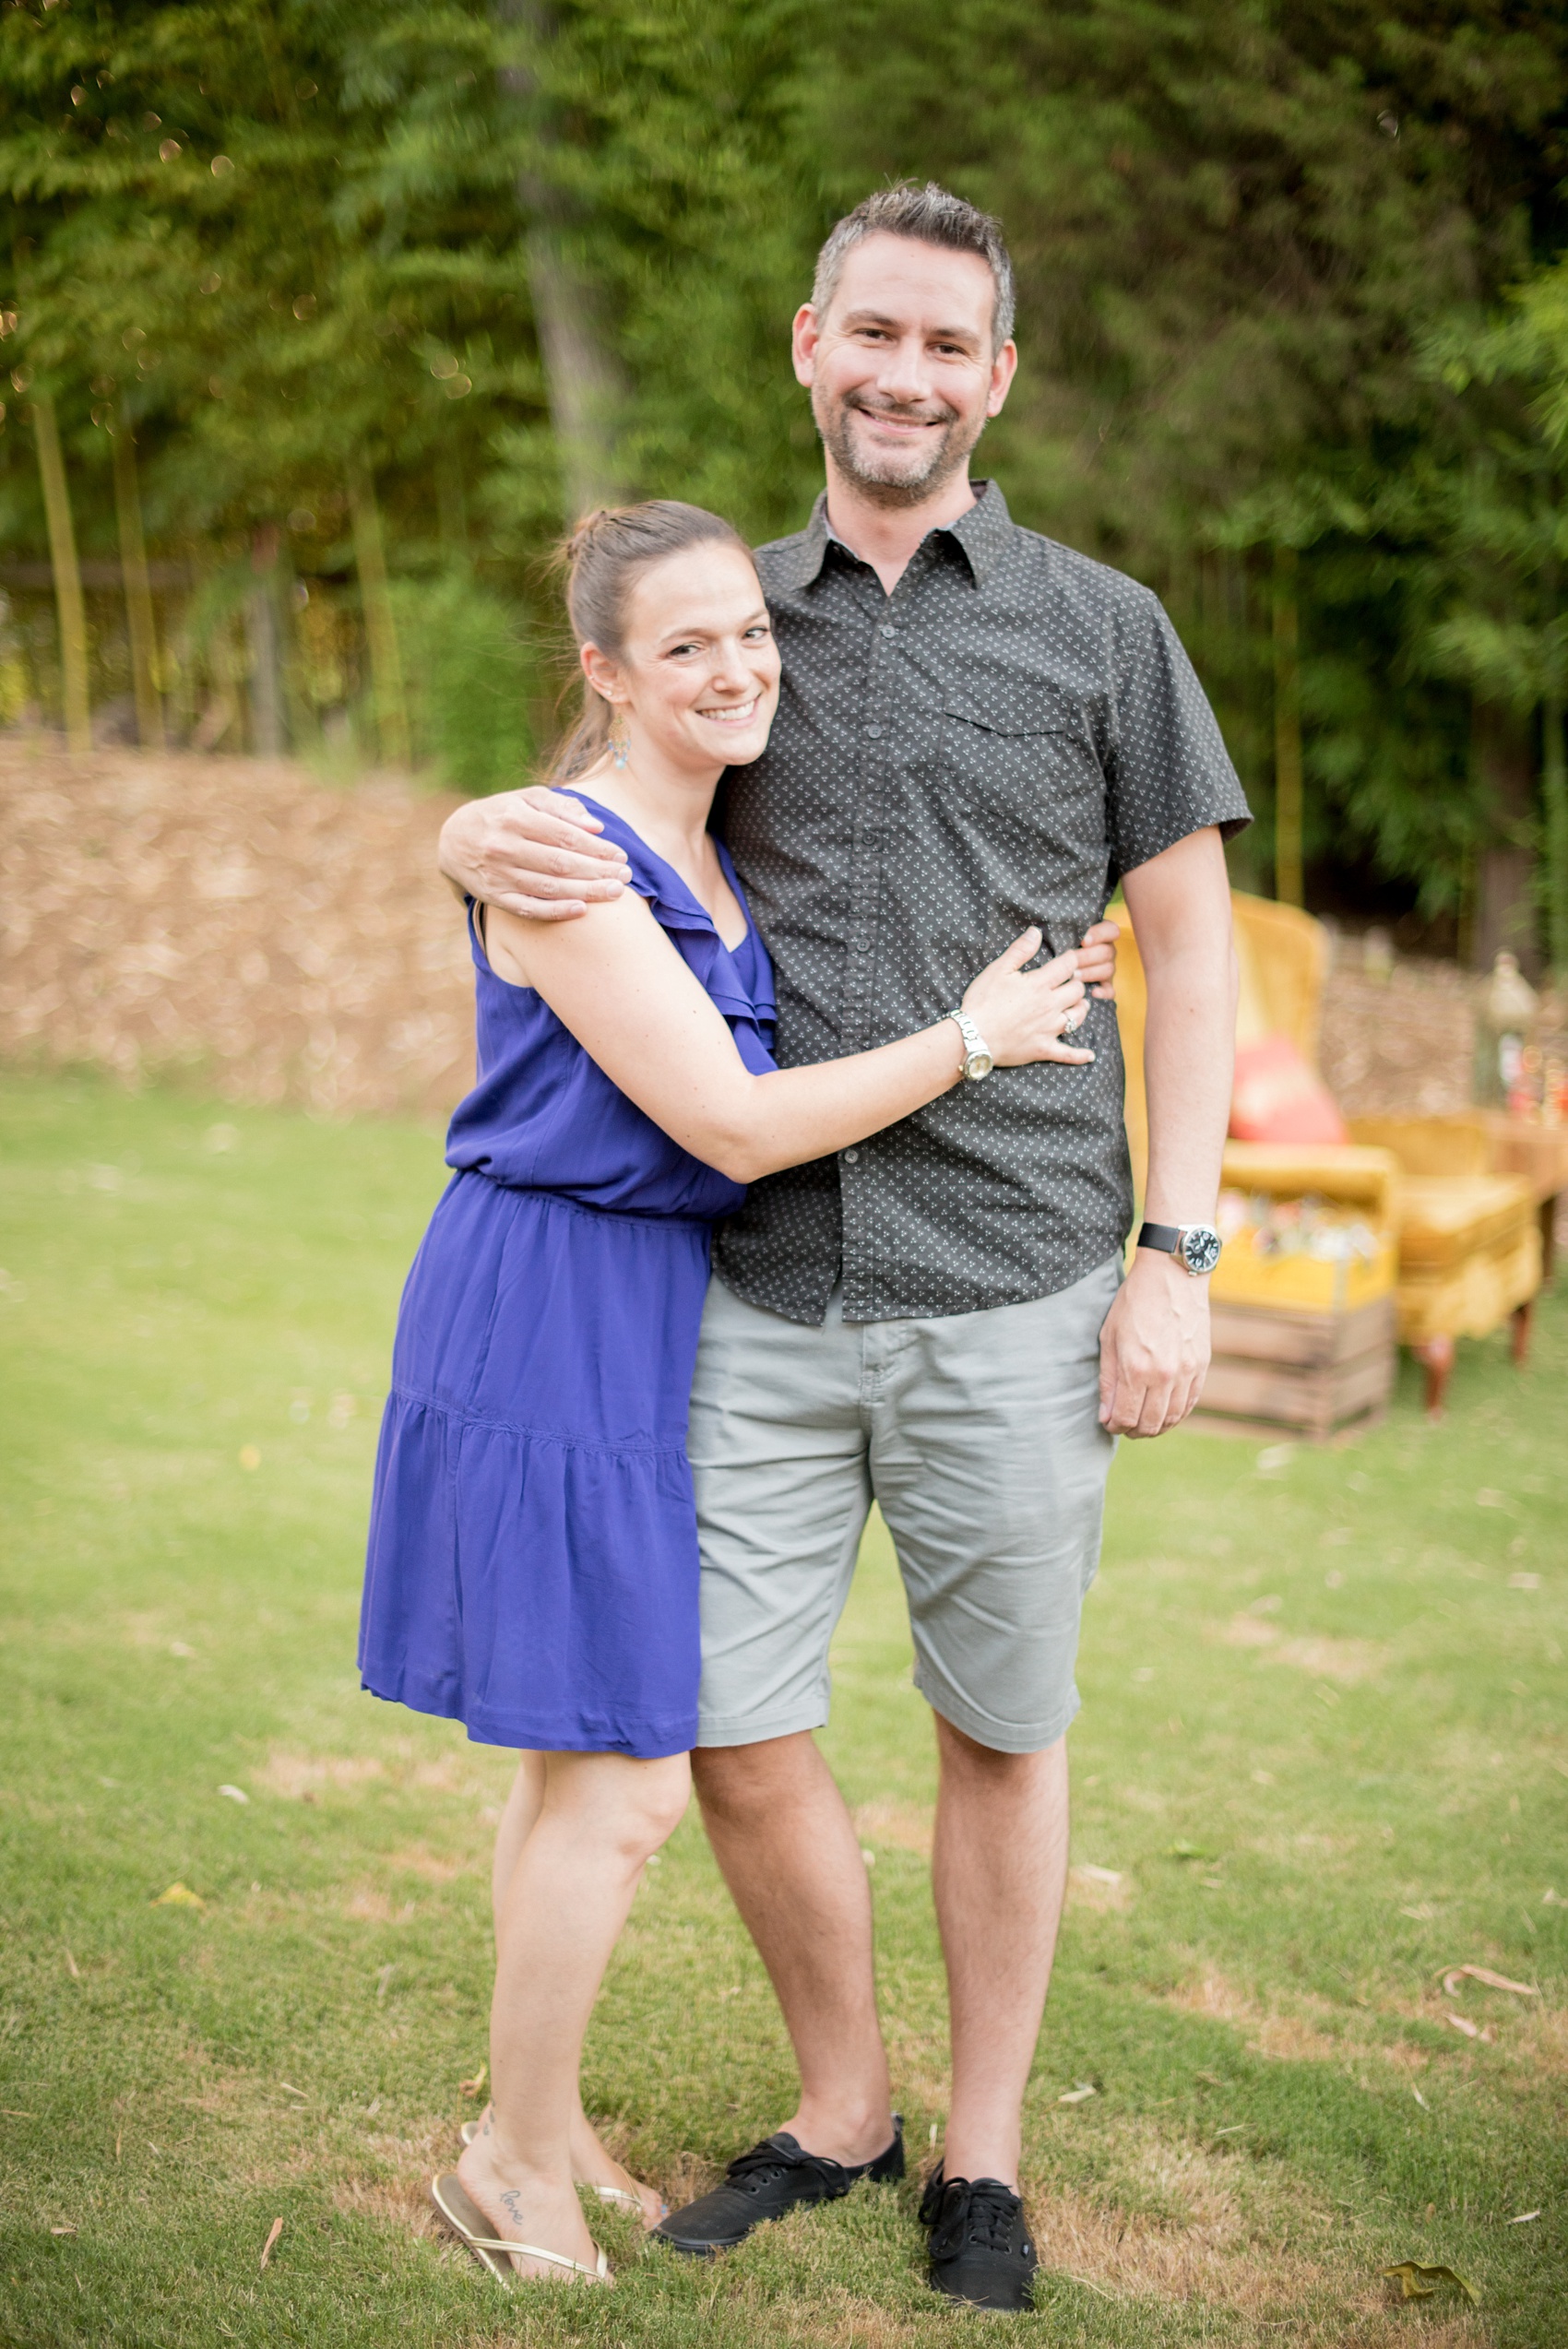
x,y
1035,775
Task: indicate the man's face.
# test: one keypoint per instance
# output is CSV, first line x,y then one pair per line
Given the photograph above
x,y
900,368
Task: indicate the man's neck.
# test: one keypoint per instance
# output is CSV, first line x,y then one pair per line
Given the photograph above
x,y
887,537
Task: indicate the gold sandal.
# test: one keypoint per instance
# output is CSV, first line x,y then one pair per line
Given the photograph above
x,y
470,2130
469,2223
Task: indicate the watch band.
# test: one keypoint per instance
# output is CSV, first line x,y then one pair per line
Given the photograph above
x,y
1167,1238
977,1061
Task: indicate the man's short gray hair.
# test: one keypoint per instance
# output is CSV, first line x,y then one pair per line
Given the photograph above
x,y
931,215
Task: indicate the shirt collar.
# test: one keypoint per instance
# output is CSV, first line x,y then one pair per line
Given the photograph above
x,y
980,534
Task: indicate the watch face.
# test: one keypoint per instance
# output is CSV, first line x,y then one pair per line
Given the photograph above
x,y
979,1064
1200,1249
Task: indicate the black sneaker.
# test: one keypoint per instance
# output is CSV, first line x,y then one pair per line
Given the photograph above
x,y
764,2183
981,2250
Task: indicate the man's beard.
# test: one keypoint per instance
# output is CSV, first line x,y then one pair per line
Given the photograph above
x,y
884,480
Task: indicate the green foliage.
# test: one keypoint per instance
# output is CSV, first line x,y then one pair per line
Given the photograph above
x,y
1374,1782
1286,274
472,682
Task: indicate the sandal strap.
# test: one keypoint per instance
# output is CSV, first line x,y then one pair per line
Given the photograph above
x,y
531,2251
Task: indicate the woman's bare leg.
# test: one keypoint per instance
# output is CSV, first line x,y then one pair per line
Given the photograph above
x,y
571,1887
592,2163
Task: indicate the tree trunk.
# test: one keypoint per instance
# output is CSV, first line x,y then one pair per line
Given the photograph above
x,y
380,627
1286,729
67,576
267,737
1505,913
138,588
586,384
1554,794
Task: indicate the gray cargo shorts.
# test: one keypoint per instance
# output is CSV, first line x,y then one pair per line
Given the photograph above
x,y
978,1435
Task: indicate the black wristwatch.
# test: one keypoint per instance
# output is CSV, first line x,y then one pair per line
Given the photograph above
x,y
1195,1246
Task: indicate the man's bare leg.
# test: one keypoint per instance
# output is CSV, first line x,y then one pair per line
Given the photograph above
x,y
791,1858
1000,1871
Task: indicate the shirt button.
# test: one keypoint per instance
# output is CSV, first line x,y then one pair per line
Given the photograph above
x,y
865,945
888,629
851,1158
875,733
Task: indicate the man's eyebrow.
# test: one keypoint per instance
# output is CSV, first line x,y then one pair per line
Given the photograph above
x,y
937,334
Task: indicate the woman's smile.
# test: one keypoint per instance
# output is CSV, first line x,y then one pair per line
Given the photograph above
x,y
737,714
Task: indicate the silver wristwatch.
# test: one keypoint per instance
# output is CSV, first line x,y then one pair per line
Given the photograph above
x,y
977,1061
1195,1246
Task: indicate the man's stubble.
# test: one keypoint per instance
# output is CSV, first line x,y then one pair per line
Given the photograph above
x,y
885,485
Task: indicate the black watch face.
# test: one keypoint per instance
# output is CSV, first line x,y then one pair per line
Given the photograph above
x,y
1200,1250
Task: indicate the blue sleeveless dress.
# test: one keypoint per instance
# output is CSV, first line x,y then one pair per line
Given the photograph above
x,y
532,1566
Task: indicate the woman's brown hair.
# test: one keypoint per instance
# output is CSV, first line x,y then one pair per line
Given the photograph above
x,y
602,560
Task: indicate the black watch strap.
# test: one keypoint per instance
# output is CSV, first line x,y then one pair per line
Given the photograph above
x,y
1166,1237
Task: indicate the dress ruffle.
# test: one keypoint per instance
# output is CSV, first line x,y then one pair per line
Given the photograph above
x,y
464,1616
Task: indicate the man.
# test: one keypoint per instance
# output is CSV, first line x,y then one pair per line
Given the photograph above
x,y
979,729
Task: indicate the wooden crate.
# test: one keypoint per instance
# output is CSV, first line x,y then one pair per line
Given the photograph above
x,y
1312,1373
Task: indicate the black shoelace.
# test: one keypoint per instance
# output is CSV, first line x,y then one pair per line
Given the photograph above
x,y
990,2217
763,2162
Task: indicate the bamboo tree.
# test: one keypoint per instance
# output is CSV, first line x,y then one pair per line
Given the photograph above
x,y
1554,799
585,383
138,587
1287,728
68,601
381,627
261,643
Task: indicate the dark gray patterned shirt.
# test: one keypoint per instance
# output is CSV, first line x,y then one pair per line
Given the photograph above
x,y
990,745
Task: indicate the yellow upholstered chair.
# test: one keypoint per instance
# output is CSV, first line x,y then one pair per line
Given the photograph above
x,y
1468,1243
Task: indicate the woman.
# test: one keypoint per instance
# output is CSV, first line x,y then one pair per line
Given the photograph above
x,y
532,1563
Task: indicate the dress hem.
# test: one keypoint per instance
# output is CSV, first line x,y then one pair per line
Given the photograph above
x,y
647,1742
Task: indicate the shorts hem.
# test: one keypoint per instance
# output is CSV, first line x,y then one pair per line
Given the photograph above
x,y
754,1729
1000,1737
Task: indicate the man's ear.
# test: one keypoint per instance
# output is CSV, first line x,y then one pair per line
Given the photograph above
x,y
1004,367
805,333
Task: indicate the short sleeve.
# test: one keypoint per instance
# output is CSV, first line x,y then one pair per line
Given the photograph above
x,y
1168,772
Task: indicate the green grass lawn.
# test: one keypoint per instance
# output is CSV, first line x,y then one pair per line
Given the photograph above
x,y
1322,1756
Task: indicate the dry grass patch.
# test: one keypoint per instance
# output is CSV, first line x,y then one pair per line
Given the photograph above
x,y
435,1867
906,1826
293,1776
1102,1890
1347,1661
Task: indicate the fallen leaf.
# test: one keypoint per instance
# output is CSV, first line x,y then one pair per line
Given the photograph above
x,y
475,2087
75,1970
1470,2030
274,2231
1234,2130
293,2091
1451,1979
235,1794
9,2112
62,2230
1421,2100
179,1896
1080,2094
1524,2218
1419,2283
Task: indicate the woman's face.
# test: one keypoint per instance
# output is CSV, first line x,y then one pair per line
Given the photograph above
x,y
699,679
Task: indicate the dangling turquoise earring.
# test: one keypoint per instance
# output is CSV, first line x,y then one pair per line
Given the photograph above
x,y
620,740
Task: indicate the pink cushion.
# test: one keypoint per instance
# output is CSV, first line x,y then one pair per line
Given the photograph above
x,y
1277,1099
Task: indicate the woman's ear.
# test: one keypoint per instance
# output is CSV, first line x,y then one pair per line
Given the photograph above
x,y
602,673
